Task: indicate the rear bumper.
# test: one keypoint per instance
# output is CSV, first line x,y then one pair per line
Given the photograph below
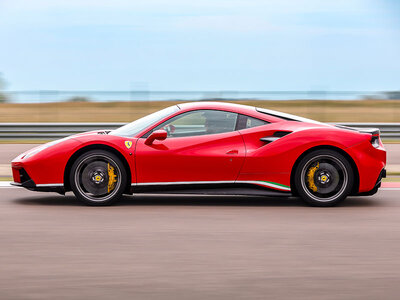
x,y
378,183
370,164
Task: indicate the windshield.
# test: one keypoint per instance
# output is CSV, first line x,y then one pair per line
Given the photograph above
x,y
139,125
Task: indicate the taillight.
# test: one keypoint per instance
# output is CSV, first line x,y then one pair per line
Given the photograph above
x,y
375,141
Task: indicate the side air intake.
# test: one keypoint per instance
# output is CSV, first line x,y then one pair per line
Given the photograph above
x,y
275,136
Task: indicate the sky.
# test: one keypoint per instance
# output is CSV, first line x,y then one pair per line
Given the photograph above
x,y
245,45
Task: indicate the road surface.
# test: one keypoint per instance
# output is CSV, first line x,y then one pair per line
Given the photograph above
x,y
186,247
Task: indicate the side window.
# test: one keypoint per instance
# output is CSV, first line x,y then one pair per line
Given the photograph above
x,y
253,122
199,122
245,122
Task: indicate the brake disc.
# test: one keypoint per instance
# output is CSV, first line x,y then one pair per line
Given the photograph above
x,y
334,178
90,178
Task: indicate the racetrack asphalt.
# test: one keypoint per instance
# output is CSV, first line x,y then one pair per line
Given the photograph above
x,y
196,247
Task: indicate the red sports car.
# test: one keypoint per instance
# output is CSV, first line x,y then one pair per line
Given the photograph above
x,y
210,148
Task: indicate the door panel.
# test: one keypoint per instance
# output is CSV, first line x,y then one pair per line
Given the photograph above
x,y
266,162
214,157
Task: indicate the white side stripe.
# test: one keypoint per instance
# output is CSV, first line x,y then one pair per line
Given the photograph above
x,y
8,184
181,182
267,184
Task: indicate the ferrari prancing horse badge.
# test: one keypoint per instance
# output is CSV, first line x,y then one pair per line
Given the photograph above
x,y
128,144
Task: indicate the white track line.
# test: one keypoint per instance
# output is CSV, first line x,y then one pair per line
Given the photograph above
x,y
6,184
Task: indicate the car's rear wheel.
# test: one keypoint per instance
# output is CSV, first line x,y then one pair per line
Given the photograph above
x,y
324,178
98,177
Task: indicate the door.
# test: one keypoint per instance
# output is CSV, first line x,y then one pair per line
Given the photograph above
x,y
201,146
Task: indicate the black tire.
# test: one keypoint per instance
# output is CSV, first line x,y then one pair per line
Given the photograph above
x,y
98,178
324,178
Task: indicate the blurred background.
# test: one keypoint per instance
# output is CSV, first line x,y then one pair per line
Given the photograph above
x,y
64,63
115,61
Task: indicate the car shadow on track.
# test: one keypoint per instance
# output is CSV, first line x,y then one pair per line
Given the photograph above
x,y
192,200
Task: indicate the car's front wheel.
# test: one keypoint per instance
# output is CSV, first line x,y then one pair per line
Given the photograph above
x,y
98,177
324,178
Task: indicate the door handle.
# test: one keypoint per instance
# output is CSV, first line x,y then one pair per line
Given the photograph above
x,y
233,152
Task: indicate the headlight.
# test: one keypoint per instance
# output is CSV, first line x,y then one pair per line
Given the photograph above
x,y
37,150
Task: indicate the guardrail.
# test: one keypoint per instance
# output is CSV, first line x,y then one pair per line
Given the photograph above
x,y
50,131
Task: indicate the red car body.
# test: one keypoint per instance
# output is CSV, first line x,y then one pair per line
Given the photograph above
x,y
230,158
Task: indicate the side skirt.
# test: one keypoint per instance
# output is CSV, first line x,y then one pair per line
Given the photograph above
x,y
210,189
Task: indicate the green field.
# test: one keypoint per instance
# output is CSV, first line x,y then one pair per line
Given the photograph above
x,y
326,111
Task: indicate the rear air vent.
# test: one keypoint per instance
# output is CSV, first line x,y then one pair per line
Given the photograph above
x,y
275,136
281,133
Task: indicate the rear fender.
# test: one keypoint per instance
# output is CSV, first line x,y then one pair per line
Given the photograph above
x,y
275,161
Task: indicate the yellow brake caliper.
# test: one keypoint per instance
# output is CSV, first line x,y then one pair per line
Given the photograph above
x,y
112,178
310,177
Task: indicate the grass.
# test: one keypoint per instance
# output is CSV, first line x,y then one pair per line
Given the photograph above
x,y
393,173
325,111
390,141
6,179
391,179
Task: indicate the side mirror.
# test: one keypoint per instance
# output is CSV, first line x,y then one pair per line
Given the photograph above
x,y
156,135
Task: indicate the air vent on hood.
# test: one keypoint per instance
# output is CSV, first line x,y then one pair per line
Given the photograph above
x,y
104,132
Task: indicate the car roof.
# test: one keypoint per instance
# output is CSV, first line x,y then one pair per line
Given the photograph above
x,y
240,108
265,114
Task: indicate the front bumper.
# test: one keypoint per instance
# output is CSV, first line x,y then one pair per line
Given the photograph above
x,y
22,179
